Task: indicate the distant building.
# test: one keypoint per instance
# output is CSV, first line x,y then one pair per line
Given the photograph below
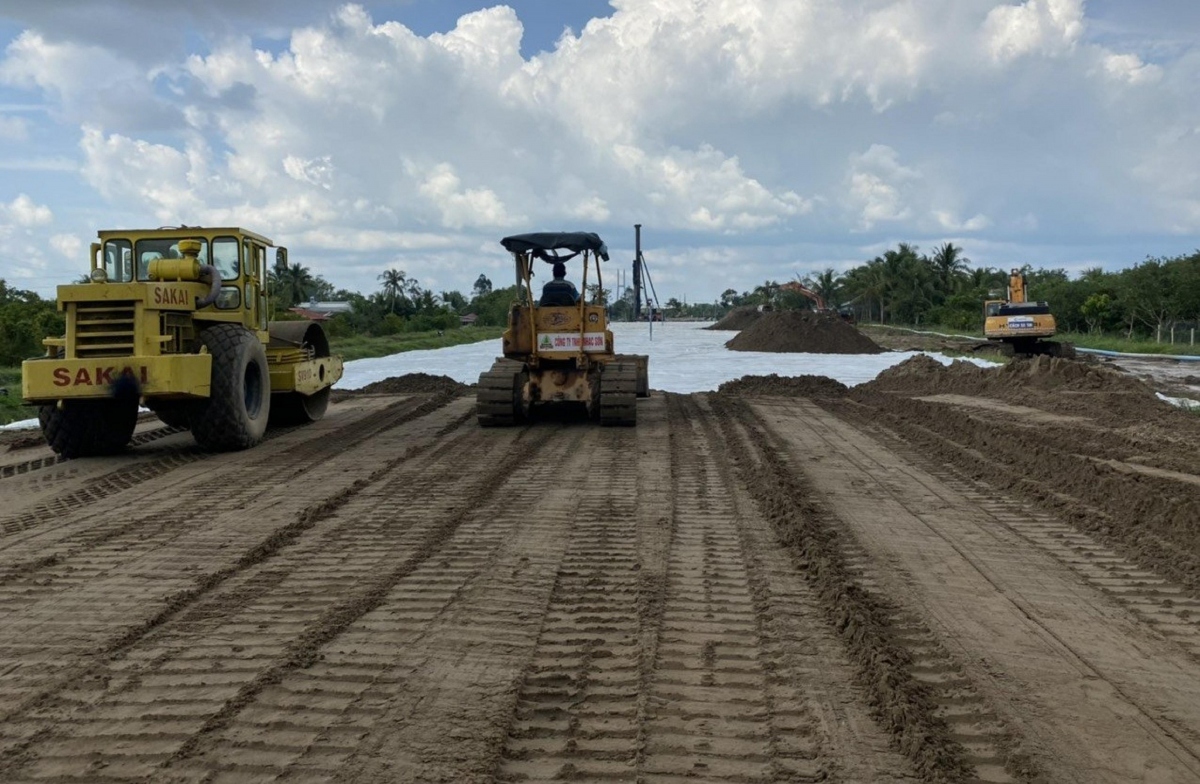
x,y
321,311
468,320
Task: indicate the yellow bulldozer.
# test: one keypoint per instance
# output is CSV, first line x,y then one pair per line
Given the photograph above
x,y
1021,327
557,348
176,319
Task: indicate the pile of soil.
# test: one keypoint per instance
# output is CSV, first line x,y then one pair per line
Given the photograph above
x,y
783,386
924,375
413,383
803,331
738,319
12,440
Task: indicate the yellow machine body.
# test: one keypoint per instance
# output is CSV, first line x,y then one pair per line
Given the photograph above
x,y
152,296
1021,326
557,353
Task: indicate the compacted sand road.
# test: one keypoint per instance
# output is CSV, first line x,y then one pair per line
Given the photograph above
x,y
912,581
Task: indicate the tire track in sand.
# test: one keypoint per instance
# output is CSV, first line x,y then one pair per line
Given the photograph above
x,y
194,670
120,532
85,505
576,711
867,623
57,632
816,725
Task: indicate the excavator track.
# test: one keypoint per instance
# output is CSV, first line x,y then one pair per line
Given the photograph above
x,y
498,402
618,394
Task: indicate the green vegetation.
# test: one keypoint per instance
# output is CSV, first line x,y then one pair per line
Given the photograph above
x,y
1137,346
1143,308
361,347
25,318
11,409
1151,307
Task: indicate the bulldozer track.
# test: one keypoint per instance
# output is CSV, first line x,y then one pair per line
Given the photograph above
x,y
1122,568
741,589
889,651
139,439
618,394
1084,492
215,600
64,580
495,399
78,520
975,549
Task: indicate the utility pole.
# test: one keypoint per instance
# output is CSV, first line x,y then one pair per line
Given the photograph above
x,y
637,272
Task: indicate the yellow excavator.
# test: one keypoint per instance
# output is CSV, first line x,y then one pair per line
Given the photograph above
x,y
1022,327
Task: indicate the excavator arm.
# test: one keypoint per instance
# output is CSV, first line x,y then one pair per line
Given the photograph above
x,y
800,288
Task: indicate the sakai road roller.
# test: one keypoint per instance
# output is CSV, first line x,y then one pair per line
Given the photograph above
x,y
558,349
176,319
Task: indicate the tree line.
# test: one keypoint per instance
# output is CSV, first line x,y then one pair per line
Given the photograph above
x,y
903,286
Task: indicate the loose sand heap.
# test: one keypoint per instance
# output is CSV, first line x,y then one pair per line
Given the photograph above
x,y
802,331
784,386
738,319
411,383
924,375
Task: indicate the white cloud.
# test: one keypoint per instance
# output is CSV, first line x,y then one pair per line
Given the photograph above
x,y
462,207
24,213
86,82
139,172
317,171
950,222
879,186
67,244
1047,27
1130,68
705,190
730,122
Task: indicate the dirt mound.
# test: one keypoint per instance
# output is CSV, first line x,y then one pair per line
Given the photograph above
x,y
23,440
738,319
414,383
924,375
798,386
802,331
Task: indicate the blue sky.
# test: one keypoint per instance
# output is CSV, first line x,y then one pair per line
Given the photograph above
x,y
754,139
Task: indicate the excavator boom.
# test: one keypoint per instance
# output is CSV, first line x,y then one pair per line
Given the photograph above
x,y
800,288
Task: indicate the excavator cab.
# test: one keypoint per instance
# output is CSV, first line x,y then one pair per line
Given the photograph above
x,y
558,351
1021,327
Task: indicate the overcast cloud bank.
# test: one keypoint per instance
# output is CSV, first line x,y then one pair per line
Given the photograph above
x,y
753,138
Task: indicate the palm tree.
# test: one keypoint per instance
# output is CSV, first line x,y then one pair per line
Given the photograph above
x,y
908,282
867,283
395,284
826,284
293,284
951,266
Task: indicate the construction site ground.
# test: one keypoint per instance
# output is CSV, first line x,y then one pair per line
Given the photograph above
x,y
942,575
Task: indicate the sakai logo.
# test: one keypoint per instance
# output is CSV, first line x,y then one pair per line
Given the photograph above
x,y
95,377
558,319
171,296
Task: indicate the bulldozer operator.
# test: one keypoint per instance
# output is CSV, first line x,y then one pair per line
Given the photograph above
x,y
559,291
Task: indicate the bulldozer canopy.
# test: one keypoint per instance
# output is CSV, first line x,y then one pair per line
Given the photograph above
x,y
576,242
